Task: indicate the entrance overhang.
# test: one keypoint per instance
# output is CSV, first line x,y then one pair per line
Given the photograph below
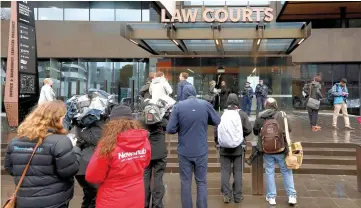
x,y
217,38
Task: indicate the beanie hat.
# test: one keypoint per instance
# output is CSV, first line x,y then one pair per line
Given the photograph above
x,y
344,80
120,111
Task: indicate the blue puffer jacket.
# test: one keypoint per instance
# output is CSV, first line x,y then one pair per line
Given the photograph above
x,y
337,91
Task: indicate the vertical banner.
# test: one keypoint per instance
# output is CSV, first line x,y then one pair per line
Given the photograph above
x,y
22,81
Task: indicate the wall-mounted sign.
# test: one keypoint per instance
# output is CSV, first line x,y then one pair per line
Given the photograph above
x,y
220,15
22,80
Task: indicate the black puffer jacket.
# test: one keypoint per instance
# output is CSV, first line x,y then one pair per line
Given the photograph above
x,y
49,182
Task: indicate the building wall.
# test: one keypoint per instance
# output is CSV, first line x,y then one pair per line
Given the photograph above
x,y
330,45
79,39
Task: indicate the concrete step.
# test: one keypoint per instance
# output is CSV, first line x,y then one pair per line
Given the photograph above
x,y
348,152
305,169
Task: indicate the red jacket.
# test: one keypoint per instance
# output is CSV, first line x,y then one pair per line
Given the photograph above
x,y
120,175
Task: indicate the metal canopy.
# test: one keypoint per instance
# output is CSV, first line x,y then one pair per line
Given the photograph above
x,y
217,38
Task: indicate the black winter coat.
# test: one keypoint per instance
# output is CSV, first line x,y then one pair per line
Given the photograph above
x,y
157,139
49,182
87,141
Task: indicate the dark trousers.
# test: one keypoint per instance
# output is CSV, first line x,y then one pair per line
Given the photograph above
x,y
260,103
231,164
157,193
313,115
198,165
90,192
247,105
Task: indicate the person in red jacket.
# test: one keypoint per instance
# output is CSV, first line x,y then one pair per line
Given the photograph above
x,y
119,162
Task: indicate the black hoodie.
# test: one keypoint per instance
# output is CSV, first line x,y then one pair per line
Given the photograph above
x,y
232,104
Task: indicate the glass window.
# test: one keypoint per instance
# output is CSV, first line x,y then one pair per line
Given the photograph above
x,y
237,3
5,13
355,23
50,10
215,3
145,11
36,13
102,11
193,3
78,11
128,11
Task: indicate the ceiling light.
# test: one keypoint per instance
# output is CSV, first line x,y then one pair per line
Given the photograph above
x,y
190,70
301,41
217,41
259,41
133,42
175,42
254,70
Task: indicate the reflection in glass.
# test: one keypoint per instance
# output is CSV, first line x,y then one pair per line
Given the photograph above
x,y
53,13
5,13
102,11
128,11
78,11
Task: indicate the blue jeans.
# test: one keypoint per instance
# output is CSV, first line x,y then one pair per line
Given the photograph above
x,y
270,162
260,103
186,167
247,105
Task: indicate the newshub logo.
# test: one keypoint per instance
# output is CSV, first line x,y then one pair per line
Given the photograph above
x,y
220,15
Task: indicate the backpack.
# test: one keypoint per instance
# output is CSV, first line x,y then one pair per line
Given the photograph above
x,y
152,114
330,96
230,129
272,138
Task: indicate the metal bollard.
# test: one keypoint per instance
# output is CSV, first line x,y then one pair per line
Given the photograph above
x,y
257,173
358,166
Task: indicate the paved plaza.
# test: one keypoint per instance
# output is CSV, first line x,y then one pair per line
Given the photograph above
x,y
314,191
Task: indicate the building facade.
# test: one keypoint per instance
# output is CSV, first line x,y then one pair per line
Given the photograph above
x,y
83,45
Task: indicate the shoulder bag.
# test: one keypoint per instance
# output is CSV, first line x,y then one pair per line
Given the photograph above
x,y
295,153
312,103
11,203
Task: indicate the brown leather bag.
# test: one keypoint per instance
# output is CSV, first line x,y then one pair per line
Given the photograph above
x,y
11,203
272,138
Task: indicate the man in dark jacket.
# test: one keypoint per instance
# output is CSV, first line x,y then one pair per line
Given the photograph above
x,y
144,91
261,95
182,82
223,95
88,138
231,158
158,163
271,160
190,119
49,182
247,96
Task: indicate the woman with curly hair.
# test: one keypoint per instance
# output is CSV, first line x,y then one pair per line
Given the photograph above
x,y
119,162
49,181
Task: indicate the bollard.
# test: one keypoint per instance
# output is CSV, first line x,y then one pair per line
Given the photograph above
x,y
358,166
257,173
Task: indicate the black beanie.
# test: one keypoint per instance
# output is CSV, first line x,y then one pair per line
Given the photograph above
x,y
120,111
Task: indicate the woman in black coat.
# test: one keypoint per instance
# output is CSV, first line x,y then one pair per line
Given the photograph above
x,y
49,181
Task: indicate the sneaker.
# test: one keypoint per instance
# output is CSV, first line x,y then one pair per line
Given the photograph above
x,y
292,200
238,200
226,199
349,128
271,201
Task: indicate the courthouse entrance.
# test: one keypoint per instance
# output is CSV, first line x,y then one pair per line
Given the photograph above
x,y
230,52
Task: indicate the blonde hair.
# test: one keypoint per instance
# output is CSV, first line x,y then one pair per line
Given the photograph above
x,y
48,81
44,117
212,83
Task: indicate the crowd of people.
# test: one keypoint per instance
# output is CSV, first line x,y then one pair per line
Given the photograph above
x,y
115,157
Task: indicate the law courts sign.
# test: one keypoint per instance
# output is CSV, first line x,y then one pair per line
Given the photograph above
x,y
220,15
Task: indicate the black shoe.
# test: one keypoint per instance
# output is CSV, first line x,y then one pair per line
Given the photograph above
x,y
238,200
226,199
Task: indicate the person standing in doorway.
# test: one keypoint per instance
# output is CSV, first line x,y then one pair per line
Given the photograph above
x,y
182,82
247,95
160,88
340,93
261,95
144,91
313,90
47,93
190,119
223,95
